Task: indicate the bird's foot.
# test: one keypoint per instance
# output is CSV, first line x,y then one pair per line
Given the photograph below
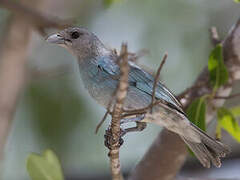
x,y
111,142
140,126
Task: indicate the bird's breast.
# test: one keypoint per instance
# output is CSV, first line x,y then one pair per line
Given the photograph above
x,y
100,86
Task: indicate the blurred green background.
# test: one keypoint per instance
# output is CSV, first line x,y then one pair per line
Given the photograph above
x,y
55,110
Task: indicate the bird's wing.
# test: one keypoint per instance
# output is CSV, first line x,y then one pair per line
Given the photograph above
x,y
108,66
144,81
141,80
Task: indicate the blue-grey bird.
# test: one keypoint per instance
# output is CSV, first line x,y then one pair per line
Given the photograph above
x,y
100,75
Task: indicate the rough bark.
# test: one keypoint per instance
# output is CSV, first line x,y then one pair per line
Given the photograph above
x,y
115,129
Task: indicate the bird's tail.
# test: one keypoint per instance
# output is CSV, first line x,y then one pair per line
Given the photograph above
x,y
208,150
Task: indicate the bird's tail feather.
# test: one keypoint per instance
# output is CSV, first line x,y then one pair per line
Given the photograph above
x,y
208,150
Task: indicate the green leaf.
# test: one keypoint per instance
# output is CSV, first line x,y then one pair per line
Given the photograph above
x,y
227,121
44,167
108,3
217,70
237,1
196,112
235,111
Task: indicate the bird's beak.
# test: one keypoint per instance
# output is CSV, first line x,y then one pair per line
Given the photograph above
x,y
55,39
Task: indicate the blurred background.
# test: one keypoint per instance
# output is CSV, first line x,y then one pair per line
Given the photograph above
x,y
55,111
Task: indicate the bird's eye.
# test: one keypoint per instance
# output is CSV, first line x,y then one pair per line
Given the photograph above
x,y
75,35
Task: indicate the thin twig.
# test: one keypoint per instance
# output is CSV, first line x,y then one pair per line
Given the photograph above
x,y
101,122
135,56
116,115
107,112
227,97
156,79
190,89
127,113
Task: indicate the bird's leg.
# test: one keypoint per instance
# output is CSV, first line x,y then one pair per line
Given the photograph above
x,y
133,119
140,126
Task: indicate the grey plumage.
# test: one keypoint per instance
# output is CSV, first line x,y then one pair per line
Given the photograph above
x,y
100,74
208,150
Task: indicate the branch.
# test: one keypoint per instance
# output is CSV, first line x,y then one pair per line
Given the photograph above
x,y
14,52
115,129
157,79
168,152
12,72
39,21
101,122
227,97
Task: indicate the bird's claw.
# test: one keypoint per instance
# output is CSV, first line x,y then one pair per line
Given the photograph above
x,y
110,142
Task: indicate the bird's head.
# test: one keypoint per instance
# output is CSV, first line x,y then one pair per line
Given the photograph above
x,y
79,41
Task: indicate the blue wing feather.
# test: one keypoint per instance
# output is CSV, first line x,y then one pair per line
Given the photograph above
x,y
108,65
140,79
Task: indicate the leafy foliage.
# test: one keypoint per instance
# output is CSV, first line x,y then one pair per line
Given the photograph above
x,y
217,69
227,121
196,112
44,167
237,1
235,111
